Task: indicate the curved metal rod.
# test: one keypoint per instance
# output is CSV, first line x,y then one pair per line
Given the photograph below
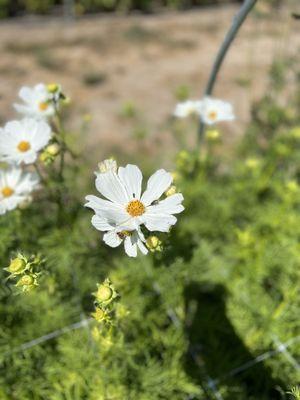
x,y
230,36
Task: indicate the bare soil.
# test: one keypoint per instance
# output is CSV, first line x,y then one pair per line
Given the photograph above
x,y
113,66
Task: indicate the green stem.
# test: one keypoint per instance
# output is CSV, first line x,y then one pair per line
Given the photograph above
x,y
39,172
230,36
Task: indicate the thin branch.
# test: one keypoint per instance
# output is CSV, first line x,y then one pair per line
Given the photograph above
x,y
230,36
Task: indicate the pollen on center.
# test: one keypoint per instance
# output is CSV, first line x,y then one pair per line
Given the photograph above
x,y
212,115
7,191
135,208
43,106
24,146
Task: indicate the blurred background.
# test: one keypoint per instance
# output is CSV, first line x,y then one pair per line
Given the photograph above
x,y
125,63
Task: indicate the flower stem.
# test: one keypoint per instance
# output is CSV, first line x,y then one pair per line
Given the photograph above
x,y
39,172
229,37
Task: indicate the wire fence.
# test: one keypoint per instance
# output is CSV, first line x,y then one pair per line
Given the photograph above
x,y
211,383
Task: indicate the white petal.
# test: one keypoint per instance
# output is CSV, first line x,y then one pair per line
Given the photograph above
x,y
157,184
159,222
112,239
101,224
131,177
142,247
130,246
98,204
110,186
170,205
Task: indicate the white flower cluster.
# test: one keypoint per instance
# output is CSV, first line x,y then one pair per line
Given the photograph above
x,y
126,210
209,110
21,141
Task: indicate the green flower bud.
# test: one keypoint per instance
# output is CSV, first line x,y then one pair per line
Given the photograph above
x,y
212,135
53,87
172,190
154,244
104,293
53,149
26,280
100,315
252,163
17,266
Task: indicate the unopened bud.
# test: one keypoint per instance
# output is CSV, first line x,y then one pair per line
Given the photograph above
x,y
154,244
25,203
108,165
53,149
99,314
26,280
172,190
292,186
212,135
252,163
53,87
17,266
104,293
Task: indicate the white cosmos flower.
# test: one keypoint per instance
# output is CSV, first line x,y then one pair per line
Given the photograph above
x,y
215,110
126,208
187,108
15,187
37,102
114,236
20,141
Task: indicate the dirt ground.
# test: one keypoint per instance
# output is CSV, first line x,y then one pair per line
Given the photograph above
x,y
111,66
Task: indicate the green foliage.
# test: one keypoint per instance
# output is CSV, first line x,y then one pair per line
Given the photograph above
x,y
223,290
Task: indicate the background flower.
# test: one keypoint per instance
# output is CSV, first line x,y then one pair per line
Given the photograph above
x,y
15,187
20,141
215,110
187,108
37,101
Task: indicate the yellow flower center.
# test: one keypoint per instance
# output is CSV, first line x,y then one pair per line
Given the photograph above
x,y
212,115
135,208
43,106
7,191
24,146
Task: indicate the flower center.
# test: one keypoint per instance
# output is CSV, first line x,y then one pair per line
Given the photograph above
x,y
135,208
212,115
7,191
43,106
24,146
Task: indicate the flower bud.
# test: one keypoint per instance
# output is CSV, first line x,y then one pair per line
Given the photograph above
x,y
26,280
295,132
53,149
252,163
104,293
292,186
175,175
99,314
25,203
45,157
53,87
172,190
17,266
212,135
154,244
107,165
